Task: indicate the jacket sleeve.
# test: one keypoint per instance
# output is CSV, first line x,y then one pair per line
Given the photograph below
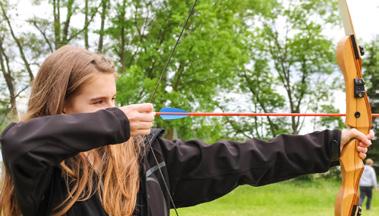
x,y
31,149
200,173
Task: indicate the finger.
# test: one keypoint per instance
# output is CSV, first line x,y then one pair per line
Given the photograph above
x,y
371,135
144,125
146,117
133,126
363,144
144,132
360,136
362,149
362,155
140,132
145,107
141,117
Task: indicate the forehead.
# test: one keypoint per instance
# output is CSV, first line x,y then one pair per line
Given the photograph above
x,y
100,85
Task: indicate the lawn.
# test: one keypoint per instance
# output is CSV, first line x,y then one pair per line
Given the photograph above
x,y
315,198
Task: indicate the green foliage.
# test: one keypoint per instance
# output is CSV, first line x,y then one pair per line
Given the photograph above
x,y
210,53
371,68
231,46
290,65
3,114
330,122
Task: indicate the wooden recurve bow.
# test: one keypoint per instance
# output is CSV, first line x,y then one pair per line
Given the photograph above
x,y
358,115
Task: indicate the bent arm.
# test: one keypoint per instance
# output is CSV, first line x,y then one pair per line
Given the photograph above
x,y
33,149
58,137
200,172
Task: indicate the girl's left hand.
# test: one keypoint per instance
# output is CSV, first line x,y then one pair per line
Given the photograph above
x,y
364,140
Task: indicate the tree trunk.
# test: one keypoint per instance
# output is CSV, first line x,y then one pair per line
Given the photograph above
x,y
86,45
19,45
121,18
5,69
66,26
104,6
57,23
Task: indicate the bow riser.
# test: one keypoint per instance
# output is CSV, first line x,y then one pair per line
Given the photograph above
x,y
358,115
358,111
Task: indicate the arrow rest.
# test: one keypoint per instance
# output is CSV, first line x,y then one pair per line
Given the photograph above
x,y
359,88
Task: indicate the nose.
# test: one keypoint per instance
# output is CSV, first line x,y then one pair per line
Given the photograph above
x,y
111,103
108,104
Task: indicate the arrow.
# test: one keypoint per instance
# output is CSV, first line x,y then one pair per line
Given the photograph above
x,y
169,113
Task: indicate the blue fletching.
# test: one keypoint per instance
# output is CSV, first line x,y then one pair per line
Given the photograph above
x,y
172,110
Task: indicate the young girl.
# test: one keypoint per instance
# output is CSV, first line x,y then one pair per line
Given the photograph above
x,y
75,153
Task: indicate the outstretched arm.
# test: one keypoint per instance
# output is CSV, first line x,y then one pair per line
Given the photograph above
x,y
199,172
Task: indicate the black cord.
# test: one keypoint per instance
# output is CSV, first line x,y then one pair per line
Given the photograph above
x,y
173,50
154,92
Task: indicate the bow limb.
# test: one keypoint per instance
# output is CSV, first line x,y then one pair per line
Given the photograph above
x,y
358,115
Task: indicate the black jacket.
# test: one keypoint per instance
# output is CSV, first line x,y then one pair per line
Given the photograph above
x,y
195,172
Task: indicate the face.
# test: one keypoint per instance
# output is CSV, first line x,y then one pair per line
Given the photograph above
x,y
98,93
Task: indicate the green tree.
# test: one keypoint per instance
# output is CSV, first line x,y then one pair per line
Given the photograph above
x,y
211,52
292,63
371,69
14,75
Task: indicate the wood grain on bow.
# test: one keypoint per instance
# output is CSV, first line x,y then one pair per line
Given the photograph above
x,y
358,115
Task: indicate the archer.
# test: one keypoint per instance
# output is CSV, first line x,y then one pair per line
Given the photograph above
x,y
75,153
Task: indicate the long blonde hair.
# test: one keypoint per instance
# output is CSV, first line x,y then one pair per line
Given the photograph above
x,y
111,171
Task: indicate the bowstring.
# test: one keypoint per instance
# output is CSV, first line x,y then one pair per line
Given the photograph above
x,y
173,49
153,94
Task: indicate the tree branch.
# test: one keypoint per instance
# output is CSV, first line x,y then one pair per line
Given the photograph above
x,y
86,26
4,65
43,33
19,45
68,20
100,45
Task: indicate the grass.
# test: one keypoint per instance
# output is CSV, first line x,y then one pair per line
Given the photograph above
x,y
295,198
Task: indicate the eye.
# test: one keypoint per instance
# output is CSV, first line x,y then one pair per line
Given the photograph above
x,y
98,102
114,98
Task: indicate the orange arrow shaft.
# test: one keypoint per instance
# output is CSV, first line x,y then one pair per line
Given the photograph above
x,y
255,114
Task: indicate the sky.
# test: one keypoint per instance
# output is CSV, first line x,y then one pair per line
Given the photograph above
x,y
364,13
365,18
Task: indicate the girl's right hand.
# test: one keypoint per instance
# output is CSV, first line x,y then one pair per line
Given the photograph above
x,y
141,117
